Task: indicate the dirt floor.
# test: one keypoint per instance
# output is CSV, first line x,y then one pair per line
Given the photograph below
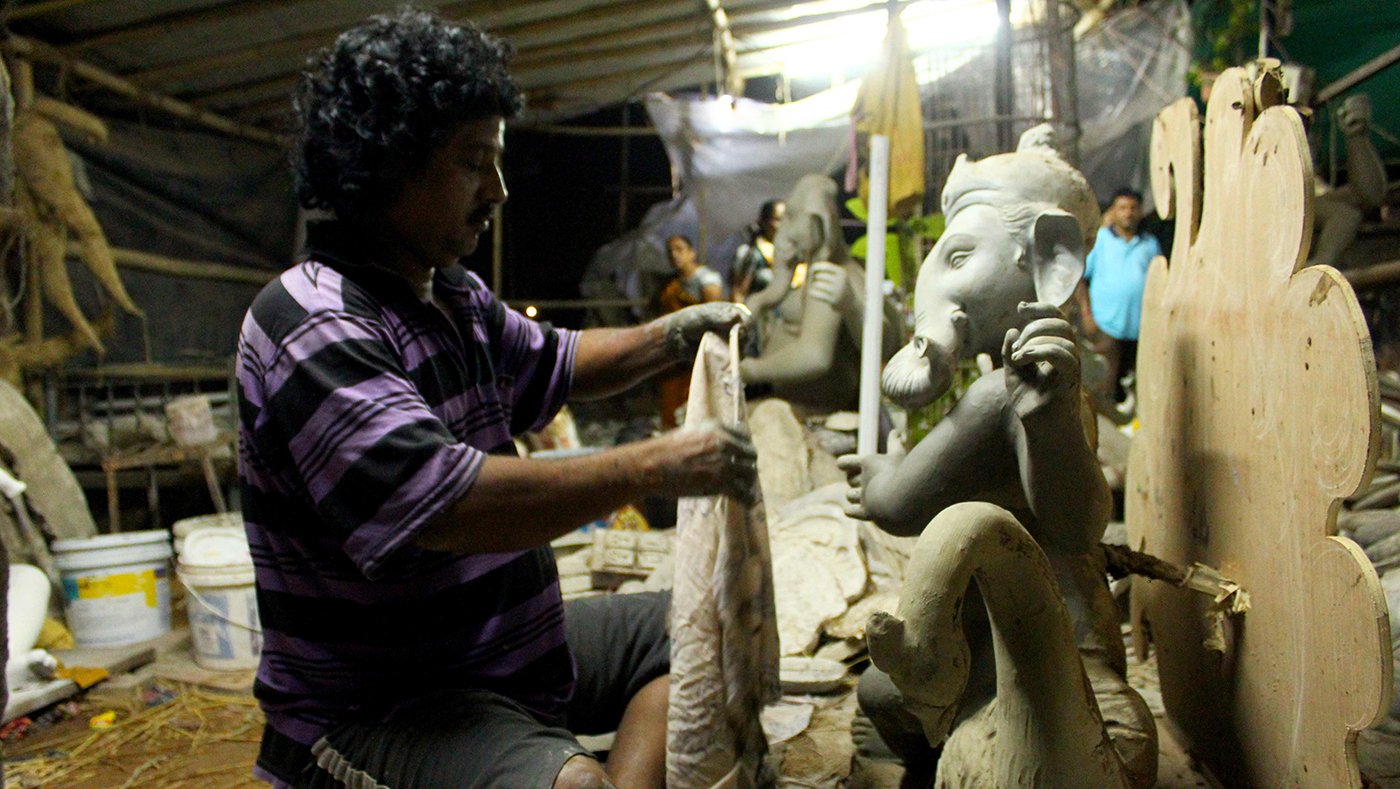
x,y
174,726
177,726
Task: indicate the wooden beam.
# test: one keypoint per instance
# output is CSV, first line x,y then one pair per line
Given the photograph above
x,y
686,20
77,118
758,28
30,49
725,58
1363,72
171,24
255,91
178,70
563,51
674,63
262,110
656,31
22,84
41,8
1379,275
670,43
302,43
191,269
619,13
245,93
545,95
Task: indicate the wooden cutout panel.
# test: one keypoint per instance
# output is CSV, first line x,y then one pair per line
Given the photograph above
x,y
1257,395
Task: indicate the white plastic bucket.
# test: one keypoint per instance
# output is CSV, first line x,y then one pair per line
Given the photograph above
x,y
182,528
116,587
223,606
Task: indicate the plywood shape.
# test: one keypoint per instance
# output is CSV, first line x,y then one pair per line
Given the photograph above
x,y
1257,395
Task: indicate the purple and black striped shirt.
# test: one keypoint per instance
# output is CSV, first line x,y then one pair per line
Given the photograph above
x,y
364,413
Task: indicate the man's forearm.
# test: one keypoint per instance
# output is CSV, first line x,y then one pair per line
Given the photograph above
x,y
609,361
517,504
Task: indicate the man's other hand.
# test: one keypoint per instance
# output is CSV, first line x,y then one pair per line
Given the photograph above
x,y
704,460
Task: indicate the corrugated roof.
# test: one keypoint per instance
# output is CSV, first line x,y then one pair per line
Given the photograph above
x,y
239,58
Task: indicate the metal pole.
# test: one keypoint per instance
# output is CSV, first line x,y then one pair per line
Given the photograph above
x,y
1004,98
868,438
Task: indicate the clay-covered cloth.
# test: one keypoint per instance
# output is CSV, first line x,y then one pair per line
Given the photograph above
x,y
724,637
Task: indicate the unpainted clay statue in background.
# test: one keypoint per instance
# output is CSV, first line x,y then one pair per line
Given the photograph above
x,y
1338,212
811,323
1023,672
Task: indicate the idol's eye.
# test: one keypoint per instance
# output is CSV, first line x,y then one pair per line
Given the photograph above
x,y
956,259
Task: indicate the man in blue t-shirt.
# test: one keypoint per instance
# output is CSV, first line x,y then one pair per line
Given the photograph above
x,y
1110,297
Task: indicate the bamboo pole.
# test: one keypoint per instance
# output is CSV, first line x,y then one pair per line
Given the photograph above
x,y
628,41
173,23
625,73
263,109
33,304
1363,72
91,126
1376,276
726,76
22,84
32,50
657,42
653,31
299,44
11,219
245,93
42,8
191,269
23,87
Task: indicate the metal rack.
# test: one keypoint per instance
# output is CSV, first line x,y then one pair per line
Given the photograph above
x,y
109,423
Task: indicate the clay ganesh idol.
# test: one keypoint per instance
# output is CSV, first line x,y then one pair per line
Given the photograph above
x,y
810,315
1020,676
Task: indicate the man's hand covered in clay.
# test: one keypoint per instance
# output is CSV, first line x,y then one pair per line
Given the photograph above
x,y
699,460
684,329
1041,360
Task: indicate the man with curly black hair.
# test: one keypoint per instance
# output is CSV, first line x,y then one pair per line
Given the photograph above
x,y
414,633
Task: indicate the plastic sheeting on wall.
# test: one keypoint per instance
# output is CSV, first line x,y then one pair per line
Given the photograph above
x,y
186,195
731,155
1128,69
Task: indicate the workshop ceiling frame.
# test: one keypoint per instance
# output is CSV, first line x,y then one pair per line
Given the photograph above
x,y
237,59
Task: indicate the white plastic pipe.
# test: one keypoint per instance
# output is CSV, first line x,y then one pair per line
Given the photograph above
x,y
868,438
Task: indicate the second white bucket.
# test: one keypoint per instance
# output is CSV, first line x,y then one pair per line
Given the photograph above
x,y
223,605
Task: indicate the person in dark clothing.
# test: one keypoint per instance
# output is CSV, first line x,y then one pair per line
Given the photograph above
x,y
753,261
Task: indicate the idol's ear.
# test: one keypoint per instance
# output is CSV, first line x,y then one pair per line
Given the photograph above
x,y
1057,256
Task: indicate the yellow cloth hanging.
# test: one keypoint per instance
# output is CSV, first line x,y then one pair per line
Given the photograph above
x,y
888,104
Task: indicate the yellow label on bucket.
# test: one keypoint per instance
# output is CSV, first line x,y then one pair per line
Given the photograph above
x,y
119,584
